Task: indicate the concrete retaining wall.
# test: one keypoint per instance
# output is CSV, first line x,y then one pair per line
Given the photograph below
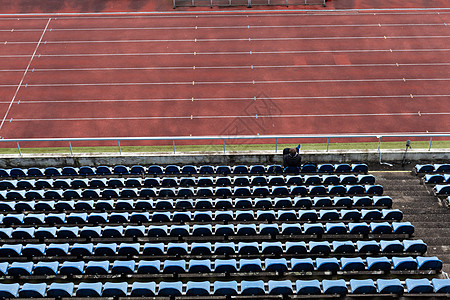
x,y
258,157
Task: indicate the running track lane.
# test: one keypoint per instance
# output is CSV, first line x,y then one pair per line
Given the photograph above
x,y
322,83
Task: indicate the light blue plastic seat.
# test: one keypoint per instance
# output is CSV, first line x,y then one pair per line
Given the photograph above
x,y
174,266
378,264
352,264
149,267
390,286
254,287
46,268
275,265
391,246
403,228
23,233
343,247
30,250
440,286
9,290
33,290
175,230
319,247
296,247
265,215
404,263
10,250
290,229
202,248
367,246
97,218
334,287
362,286
153,249
225,288
416,246
280,287
335,228
57,249
225,265
143,289
198,288
105,249
248,248
59,290
115,289
157,230
429,263
123,267
245,229
134,231
199,266
20,268
418,286
313,228
129,249
224,248
202,230
97,267
72,268
170,288
358,228
308,287
177,248
307,215
327,264
89,289
68,232
380,228
250,265
275,248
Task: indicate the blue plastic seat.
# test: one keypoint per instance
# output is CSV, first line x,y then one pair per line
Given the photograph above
x,y
350,214
172,170
441,286
209,192
328,214
275,265
280,287
81,249
13,219
307,215
17,172
404,263
257,169
177,249
343,247
52,171
348,179
115,289
290,229
155,170
67,232
380,228
149,267
335,228
59,290
104,204
371,214
359,168
392,214
374,189
139,217
355,189
403,228
223,181
251,288
226,229
391,246
260,191
97,267
327,264
242,203
418,286
358,228
382,201
168,182
30,250
274,169
426,168
241,181
321,247
317,190
309,168
362,286
362,201
429,263
174,266
299,190
334,287
6,233
352,264
308,287
274,180
8,250
7,206
416,246
158,230
46,268
244,215
206,169
33,290
45,232
112,231
366,179
180,216
295,247
123,267
224,248
202,288
378,264
189,169
35,172
269,229
134,231
89,289
203,248
121,170
129,249
336,190
55,249
25,184
245,229
164,204
225,288
105,249
325,168
303,202
23,233
390,286
144,204
225,265
20,268
133,182
302,264
143,289
313,228
202,216
248,247
441,168
282,202
199,266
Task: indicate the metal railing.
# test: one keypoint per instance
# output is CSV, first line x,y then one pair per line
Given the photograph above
x,y
248,3
275,138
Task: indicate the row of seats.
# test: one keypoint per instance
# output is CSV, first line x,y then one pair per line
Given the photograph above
x,y
186,169
331,264
186,181
237,191
437,178
218,248
226,288
202,216
198,203
207,230
432,168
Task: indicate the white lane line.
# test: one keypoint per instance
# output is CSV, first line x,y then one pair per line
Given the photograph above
x,y
229,52
227,82
24,74
229,117
230,67
216,40
327,26
209,99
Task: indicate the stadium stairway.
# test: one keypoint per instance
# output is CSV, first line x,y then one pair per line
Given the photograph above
x,y
427,213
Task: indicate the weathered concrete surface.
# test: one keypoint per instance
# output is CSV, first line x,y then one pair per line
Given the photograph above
x,y
371,157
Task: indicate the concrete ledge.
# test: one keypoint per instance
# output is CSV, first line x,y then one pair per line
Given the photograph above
x,y
214,158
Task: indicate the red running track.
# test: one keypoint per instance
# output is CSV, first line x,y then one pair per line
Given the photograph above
x,y
225,74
